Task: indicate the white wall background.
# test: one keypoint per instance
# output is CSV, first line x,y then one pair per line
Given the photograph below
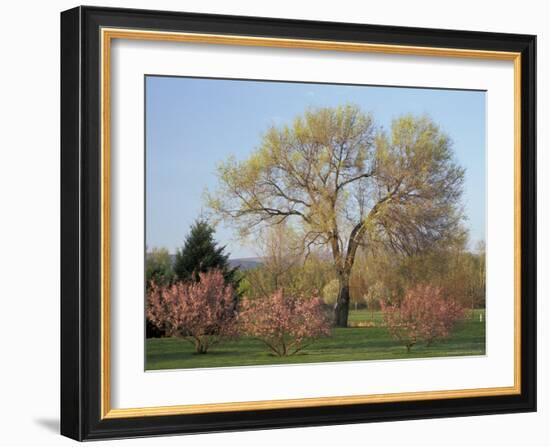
x,y
29,227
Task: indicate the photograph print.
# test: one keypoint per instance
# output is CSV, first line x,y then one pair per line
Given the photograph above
x,y
294,222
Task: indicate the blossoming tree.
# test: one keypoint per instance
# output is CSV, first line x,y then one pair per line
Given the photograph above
x,y
423,315
201,312
285,324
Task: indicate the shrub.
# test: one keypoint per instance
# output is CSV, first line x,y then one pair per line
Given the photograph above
x,y
423,315
285,324
201,312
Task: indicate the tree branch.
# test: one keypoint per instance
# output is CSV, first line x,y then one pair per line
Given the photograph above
x,y
354,179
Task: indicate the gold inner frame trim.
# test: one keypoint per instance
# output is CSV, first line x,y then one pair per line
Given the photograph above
x,y
107,35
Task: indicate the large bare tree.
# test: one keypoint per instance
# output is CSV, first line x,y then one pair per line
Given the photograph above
x,y
342,182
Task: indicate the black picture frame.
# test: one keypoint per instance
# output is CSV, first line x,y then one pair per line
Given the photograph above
x,y
81,224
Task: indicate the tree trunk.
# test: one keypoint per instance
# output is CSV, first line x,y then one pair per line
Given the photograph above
x,y
200,347
341,309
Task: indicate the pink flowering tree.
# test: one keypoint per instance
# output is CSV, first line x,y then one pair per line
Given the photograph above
x,y
423,315
285,324
201,312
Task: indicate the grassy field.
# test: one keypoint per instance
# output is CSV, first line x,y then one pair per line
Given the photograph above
x,y
345,344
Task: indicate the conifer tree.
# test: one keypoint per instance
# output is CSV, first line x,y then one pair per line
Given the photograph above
x,y
201,253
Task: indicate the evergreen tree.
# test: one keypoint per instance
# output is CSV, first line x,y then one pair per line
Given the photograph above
x,y
201,253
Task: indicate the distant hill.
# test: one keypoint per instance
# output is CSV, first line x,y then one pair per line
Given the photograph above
x,y
245,263
242,263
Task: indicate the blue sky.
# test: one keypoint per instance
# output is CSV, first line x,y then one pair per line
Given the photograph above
x,y
193,124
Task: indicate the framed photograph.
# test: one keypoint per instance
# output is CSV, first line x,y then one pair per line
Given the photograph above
x,y
276,223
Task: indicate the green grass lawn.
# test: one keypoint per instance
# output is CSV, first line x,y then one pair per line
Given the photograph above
x,y
345,344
